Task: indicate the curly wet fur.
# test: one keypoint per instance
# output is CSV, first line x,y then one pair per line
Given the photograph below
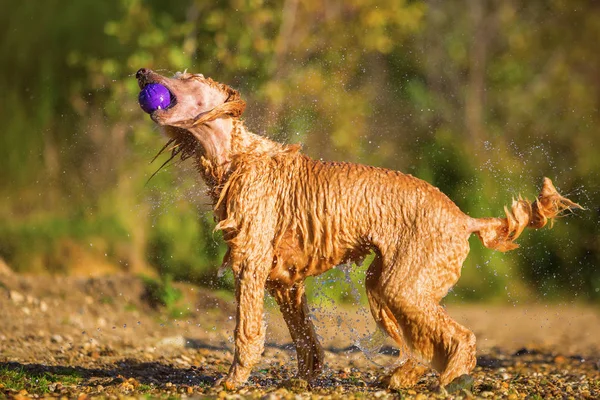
x,y
286,216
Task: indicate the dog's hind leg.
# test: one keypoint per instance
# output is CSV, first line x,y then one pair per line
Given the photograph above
x,y
447,345
412,288
409,371
293,306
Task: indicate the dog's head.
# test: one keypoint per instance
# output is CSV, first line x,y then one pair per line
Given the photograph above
x,y
194,99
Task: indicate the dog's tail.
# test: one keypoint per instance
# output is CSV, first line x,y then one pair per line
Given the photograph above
x,y
500,233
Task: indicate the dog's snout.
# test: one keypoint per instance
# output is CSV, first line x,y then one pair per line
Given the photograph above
x,y
142,72
143,77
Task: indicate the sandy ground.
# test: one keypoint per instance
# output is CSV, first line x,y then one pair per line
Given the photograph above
x,y
105,333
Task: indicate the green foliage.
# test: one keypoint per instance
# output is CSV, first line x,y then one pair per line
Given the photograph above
x,y
48,243
162,293
182,244
482,99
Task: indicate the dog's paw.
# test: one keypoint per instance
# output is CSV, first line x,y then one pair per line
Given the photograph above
x,y
405,376
398,381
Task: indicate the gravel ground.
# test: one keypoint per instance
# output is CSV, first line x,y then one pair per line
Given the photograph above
x,y
101,337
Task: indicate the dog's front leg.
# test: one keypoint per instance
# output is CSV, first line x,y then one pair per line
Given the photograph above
x,y
249,333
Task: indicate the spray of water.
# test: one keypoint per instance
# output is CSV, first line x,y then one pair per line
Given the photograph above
x,y
350,322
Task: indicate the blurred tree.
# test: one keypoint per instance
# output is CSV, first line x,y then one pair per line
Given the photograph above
x,y
506,97
480,98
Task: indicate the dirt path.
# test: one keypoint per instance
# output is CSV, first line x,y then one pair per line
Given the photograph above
x,y
79,337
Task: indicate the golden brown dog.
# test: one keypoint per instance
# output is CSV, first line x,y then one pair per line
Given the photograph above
x,y
286,216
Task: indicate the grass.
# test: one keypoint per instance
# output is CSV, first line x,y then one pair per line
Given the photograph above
x,y
145,388
18,379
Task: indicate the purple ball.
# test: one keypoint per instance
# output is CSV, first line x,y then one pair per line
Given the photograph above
x,y
154,96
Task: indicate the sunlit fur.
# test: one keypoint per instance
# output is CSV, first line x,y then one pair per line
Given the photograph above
x,y
286,216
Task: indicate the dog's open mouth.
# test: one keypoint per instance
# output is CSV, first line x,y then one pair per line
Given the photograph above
x,y
155,94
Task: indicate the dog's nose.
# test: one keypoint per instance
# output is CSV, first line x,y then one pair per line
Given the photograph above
x,y
141,73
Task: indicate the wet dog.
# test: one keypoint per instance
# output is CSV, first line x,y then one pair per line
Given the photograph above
x,y
286,216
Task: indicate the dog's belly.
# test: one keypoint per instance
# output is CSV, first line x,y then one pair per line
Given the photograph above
x,y
293,261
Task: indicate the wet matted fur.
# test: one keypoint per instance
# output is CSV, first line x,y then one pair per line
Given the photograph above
x,y
286,216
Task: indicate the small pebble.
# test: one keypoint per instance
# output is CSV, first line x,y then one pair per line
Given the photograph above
x,y
16,297
56,338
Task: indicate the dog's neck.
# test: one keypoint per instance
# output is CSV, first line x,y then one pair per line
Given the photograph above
x,y
215,139
223,140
